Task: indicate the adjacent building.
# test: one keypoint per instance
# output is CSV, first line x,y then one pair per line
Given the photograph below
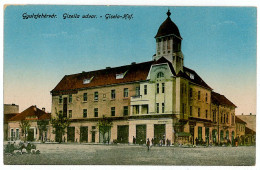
x,y
160,99
10,110
38,129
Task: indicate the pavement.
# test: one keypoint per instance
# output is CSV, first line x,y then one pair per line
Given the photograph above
x,y
83,154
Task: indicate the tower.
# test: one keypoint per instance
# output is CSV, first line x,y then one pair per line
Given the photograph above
x,y
168,43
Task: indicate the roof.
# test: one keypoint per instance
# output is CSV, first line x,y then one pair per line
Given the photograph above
x,y
237,120
249,131
250,120
32,113
168,27
133,73
197,79
7,117
219,99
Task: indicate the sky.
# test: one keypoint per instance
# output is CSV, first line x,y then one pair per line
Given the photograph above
x,y
219,43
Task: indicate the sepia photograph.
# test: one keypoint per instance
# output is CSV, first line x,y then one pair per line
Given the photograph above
x,y
129,85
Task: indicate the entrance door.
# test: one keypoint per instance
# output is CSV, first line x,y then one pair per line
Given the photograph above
x,y
83,134
65,103
207,135
71,134
214,135
122,134
30,136
93,136
159,133
140,134
192,134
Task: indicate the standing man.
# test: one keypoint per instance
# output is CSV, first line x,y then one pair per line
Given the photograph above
x,y
148,144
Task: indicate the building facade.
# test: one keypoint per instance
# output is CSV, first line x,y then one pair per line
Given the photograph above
x,y
160,100
38,129
10,110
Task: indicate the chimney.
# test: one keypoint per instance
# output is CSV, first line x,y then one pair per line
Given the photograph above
x,y
43,109
133,63
34,108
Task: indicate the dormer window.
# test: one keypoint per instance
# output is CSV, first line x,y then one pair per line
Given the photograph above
x,y
87,81
121,75
160,75
192,76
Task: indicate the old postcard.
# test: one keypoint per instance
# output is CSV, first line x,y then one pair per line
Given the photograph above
x,y
129,85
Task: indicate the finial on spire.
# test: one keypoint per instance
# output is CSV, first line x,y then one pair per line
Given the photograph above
x,y
168,13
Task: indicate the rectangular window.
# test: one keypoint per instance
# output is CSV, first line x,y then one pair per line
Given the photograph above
x,y
96,95
190,110
198,112
113,94
145,89
206,113
113,111
157,107
137,91
206,97
190,92
125,92
157,87
198,95
17,134
162,107
162,87
60,99
200,133
125,110
70,113
85,112
70,98
96,112
85,97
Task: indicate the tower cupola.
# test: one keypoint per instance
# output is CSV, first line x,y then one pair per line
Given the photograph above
x,y
168,43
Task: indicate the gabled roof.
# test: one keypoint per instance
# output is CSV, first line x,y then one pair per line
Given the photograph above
x,y
237,120
135,72
219,99
250,121
197,79
7,117
31,113
164,60
249,131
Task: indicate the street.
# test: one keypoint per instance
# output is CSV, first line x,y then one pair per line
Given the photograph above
x,y
83,154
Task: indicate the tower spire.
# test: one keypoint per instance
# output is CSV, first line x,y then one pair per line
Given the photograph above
x,y
168,13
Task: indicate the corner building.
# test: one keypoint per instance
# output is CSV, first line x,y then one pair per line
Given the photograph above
x,y
159,99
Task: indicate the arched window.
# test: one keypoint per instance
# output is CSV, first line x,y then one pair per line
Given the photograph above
x,y
160,75
227,134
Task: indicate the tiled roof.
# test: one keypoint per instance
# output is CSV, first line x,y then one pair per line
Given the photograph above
x,y
237,120
134,72
249,131
7,117
31,113
197,79
219,99
250,121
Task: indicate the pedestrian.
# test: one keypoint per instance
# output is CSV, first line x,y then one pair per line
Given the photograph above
x,y
197,141
148,144
152,141
133,139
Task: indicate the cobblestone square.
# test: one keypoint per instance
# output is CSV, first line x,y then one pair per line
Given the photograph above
x,y
82,154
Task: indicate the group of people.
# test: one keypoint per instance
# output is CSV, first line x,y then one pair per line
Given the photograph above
x,y
153,142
